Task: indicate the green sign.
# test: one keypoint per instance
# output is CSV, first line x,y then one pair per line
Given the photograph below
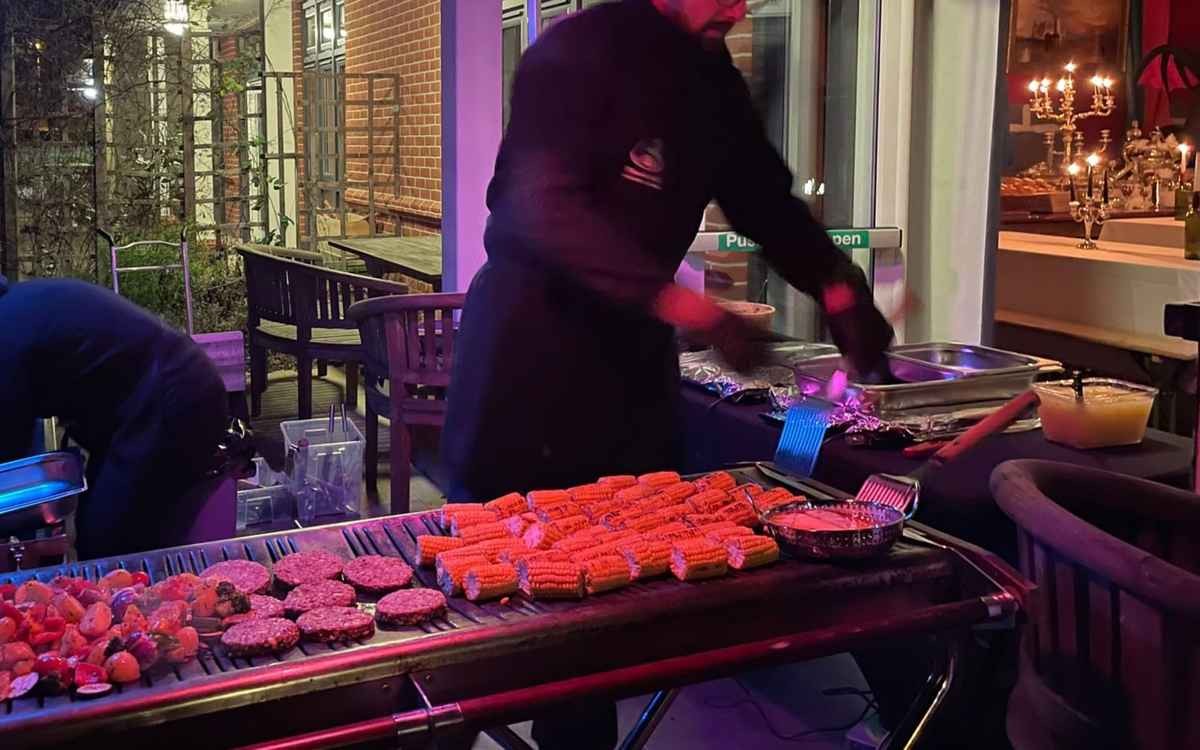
x,y
848,239
733,242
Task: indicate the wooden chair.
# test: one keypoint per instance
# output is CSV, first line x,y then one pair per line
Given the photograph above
x,y
408,349
1111,655
300,310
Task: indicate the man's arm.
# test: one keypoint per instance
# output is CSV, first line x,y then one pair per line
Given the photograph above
x,y
755,192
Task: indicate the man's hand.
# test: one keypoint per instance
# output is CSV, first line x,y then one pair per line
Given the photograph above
x,y
739,343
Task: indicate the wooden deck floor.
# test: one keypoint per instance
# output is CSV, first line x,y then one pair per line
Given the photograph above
x,y
279,403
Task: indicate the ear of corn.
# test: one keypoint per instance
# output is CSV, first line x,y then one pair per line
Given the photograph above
x,y
698,558
646,557
558,510
490,549
722,533
450,571
721,480
429,545
708,500
492,581
592,493
550,579
677,492
774,498
659,478
516,525
541,498
632,493
482,532
507,505
605,573
740,513
701,519
467,518
618,481
745,552
596,511
581,539
672,531
446,513
753,490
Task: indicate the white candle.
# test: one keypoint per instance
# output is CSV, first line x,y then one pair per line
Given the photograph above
x,y
1183,159
1092,161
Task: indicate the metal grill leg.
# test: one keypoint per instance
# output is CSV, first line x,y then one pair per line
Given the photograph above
x,y
651,716
912,728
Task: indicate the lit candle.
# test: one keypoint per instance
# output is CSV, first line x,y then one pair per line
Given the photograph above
x,y
1070,67
1183,158
1033,86
1092,161
1061,85
1072,171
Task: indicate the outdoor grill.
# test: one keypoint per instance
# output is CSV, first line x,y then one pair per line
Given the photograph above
x,y
487,664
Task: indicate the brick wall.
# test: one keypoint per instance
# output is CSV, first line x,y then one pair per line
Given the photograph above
x,y
227,50
399,42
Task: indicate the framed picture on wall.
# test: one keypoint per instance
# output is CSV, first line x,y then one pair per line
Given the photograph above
x,y
1045,34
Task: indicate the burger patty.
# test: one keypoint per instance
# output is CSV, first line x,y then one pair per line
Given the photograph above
x,y
410,607
329,624
246,576
307,567
377,574
261,607
309,596
271,635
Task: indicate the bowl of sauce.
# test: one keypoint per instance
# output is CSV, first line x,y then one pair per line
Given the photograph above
x,y
1109,412
836,531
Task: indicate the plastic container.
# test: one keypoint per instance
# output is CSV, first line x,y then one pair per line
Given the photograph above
x,y
324,469
1112,412
265,509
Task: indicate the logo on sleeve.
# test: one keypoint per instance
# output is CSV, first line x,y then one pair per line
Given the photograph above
x,y
646,164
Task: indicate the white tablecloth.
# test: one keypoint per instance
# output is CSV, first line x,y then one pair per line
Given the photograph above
x,y
1162,231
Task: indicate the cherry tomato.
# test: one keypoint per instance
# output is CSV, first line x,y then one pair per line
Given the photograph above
x,y
54,623
7,590
8,629
8,610
122,667
89,674
96,621
48,664
118,579
141,577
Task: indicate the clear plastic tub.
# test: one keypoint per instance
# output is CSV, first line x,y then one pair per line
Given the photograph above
x,y
1112,412
324,469
265,509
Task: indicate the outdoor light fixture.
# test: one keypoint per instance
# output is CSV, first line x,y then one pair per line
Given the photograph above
x,y
175,16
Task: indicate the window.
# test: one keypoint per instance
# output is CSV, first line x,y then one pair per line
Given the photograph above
x,y
324,62
324,33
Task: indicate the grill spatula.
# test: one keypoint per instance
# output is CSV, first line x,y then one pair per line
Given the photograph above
x,y
903,492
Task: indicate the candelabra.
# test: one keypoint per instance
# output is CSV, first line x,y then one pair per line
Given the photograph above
x,y
1044,108
1090,211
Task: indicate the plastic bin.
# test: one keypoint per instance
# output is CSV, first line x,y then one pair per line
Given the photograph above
x,y
264,509
1111,413
324,469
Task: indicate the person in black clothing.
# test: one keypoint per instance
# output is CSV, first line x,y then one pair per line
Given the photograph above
x,y
142,399
626,121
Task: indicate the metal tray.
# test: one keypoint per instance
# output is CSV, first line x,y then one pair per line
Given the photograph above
x,y
39,490
966,358
924,384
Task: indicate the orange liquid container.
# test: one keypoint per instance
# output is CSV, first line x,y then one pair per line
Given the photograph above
x,y
1111,413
